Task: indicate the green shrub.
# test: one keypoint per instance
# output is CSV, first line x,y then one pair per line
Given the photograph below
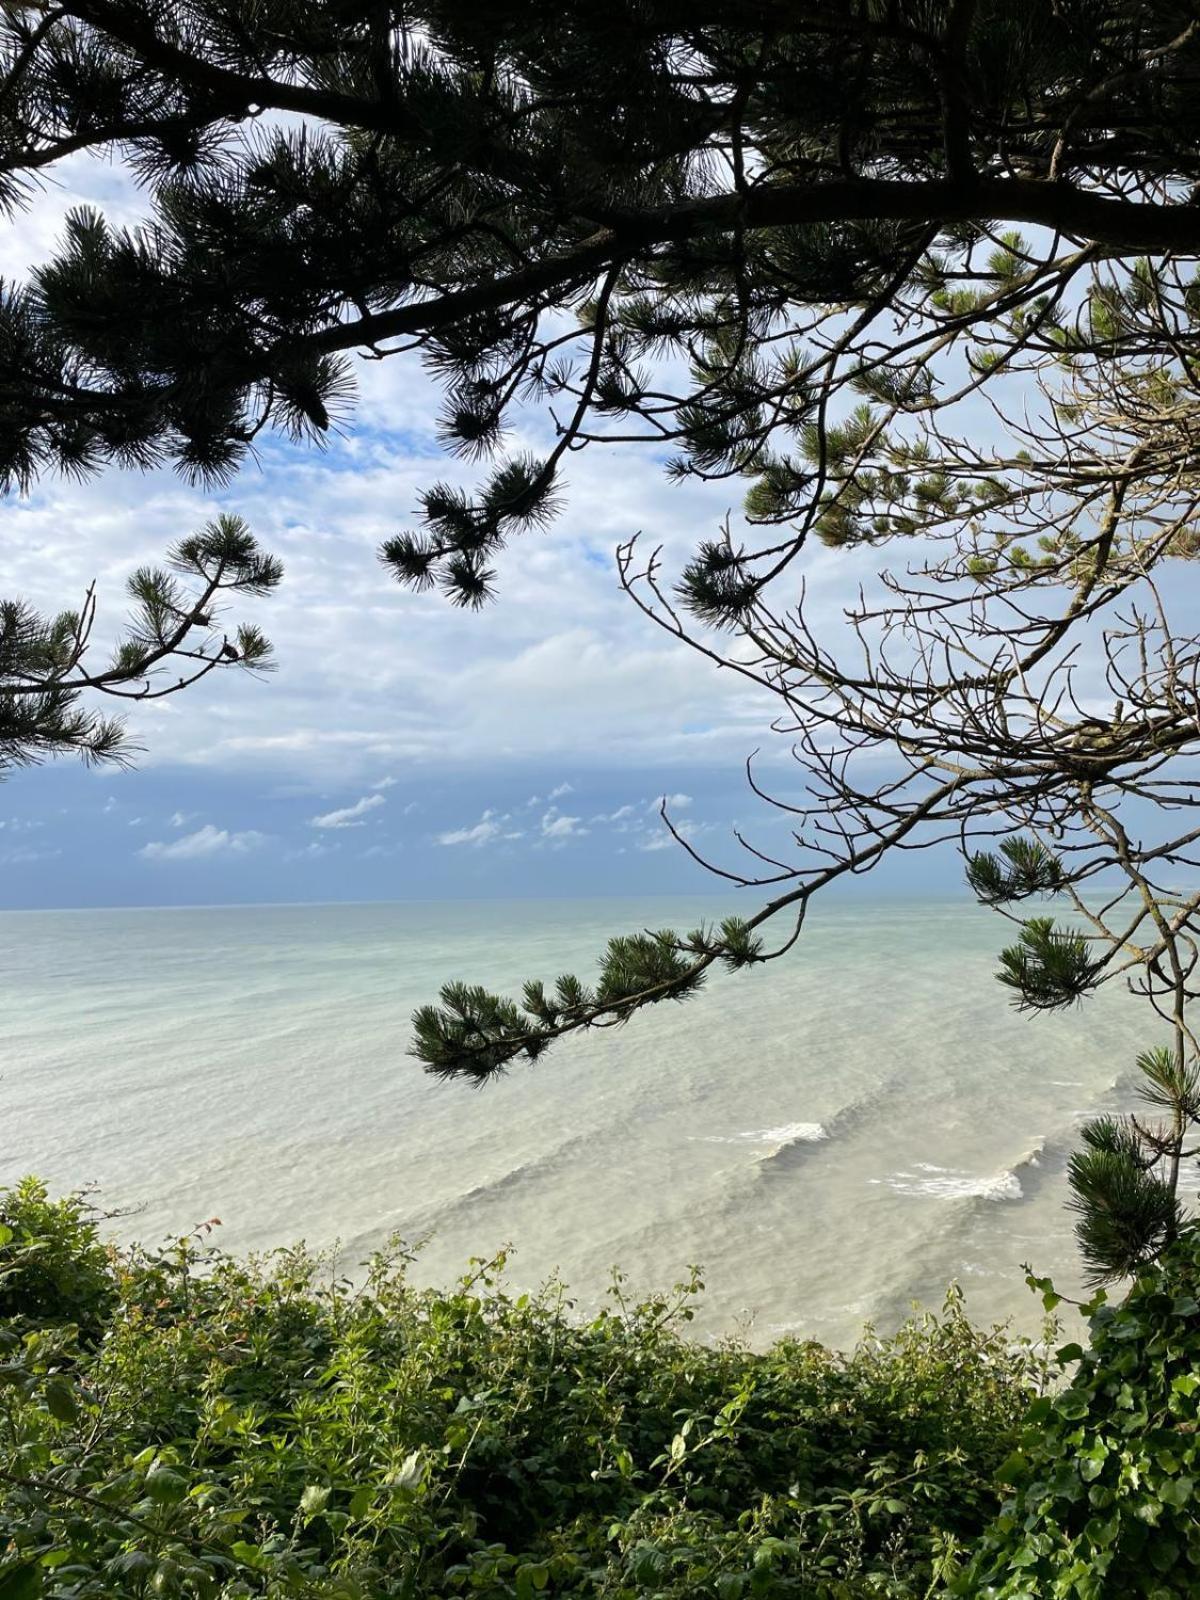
x,y
1105,1497
258,1428
54,1269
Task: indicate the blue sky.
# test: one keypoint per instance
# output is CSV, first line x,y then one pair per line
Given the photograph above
x,y
402,749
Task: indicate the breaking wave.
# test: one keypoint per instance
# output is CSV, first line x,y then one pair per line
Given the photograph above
x,y
954,1183
788,1133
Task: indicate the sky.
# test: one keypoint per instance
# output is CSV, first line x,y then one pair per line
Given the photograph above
x,y
401,749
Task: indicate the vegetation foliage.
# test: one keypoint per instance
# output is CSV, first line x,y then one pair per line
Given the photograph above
x,y
1103,1483
182,1423
47,677
793,246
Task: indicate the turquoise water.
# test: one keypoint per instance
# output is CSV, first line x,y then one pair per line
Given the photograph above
x,y
830,1136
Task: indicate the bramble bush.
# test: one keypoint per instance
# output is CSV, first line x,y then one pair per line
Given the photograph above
x,y
182,1423
267,1428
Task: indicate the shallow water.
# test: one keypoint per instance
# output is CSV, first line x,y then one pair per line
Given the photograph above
x,y
831,1136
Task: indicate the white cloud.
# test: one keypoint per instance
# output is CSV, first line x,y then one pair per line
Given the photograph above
x,y
665,840
481,833
23,854
374,679
563,788
180,819
555,826
673,802
206,841
487,830
386,783
314,851
349,816
621,814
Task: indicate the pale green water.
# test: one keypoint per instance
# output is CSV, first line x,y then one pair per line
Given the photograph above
x,y
830,1136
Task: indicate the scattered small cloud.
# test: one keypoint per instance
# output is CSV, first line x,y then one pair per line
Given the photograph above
x,y
206,841
349,816
665,839
180,819
621,814
487,830
563,788
673,802
314,851
385,783
557,826
22,855
482,833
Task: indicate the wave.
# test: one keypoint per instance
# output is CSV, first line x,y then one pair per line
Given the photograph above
x,y
786,1134
436,1214
955,1183
790,1147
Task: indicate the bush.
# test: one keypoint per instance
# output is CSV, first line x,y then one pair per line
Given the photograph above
x,y
53,1267
1104,1483
258,1428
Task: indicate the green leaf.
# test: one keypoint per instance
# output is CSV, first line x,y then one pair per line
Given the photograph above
x,y
20,1582
1013,1468
1073,1404
250,1555
60,1400
165,1487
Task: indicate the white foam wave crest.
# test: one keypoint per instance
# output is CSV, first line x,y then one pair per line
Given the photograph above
x,y
955,1183
787,1133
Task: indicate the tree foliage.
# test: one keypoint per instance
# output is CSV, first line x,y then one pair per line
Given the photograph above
x,y
1125,1181
800,249
46,683
640,220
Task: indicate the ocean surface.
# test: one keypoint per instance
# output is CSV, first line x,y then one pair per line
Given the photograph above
x,y
831,1136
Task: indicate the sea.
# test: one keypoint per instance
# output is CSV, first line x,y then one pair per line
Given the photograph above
x,y
832,1138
